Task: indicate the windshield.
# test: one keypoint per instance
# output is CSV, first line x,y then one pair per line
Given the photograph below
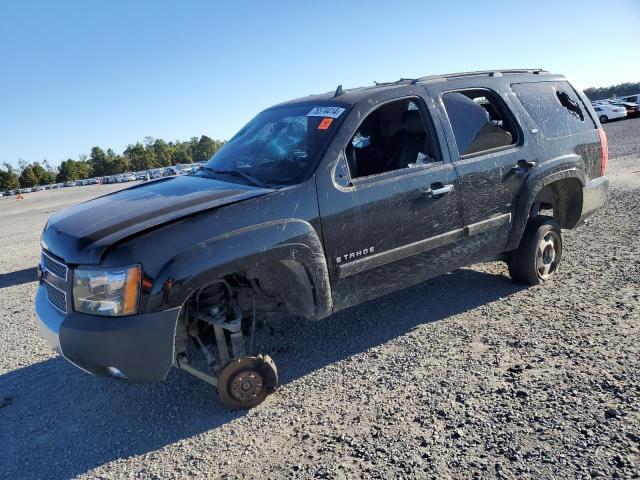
x,y
278,147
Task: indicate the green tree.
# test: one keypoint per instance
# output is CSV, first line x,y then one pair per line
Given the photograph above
x,y
162,152
50,175
620,90
28,177
204,149
181,153
82,167
151,153
73,170
116,163
98,162
8,178
140,157
40,174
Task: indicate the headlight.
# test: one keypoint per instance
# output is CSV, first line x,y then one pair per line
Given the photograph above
x,y
111,292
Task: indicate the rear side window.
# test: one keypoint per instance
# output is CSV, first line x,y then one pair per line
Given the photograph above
x,y
479,121
555,107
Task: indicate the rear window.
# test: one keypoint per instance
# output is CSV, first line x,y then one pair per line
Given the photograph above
x,y
555,107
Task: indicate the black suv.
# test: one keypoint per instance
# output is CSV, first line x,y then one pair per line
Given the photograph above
x,y
316,205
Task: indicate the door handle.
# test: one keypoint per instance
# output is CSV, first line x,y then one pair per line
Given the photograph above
x,y
523,166
441,190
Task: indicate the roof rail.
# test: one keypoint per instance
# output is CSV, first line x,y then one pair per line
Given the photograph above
x,y
402,80
480,73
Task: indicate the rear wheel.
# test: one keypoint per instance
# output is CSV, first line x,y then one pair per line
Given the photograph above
x,y
537,258
604,119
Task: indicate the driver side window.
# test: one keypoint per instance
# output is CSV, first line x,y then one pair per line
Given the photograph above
x,y
392,137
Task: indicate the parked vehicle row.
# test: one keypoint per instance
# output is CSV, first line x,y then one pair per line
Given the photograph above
x,y
613,109
144,175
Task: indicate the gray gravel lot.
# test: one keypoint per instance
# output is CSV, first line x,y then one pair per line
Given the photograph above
x,y
464,376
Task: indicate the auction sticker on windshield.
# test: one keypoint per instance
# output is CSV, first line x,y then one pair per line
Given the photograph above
x,y
332,112
325,123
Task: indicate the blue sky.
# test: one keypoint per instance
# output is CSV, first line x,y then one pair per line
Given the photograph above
x,y
74,74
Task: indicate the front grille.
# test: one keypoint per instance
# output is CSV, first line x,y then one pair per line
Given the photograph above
x,y
55,281
57,297
57,268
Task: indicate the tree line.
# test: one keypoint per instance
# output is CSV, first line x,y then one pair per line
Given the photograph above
x,y
620,90
152,153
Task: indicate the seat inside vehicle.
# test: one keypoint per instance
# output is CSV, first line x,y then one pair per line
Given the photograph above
x,y
390,138
478,121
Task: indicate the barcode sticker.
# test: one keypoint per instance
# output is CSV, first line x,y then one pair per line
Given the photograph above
x,y
331,112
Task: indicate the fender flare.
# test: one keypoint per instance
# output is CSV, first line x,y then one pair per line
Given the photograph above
x,y
286,256
559,168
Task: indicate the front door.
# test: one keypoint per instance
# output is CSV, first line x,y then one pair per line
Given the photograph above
x,y
390,208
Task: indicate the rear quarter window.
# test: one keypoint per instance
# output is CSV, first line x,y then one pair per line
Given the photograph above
x,y
555,107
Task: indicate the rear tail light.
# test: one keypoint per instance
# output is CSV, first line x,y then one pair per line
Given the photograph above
x,y
604,145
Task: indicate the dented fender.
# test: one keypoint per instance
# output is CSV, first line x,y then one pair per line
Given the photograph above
x,y
286,256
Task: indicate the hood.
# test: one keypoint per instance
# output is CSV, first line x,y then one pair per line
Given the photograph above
x,y
81,234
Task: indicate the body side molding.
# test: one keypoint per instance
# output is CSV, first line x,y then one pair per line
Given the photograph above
x,y
421,246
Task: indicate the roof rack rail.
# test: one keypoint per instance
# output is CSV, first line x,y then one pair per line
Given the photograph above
x,y
402,80
489,73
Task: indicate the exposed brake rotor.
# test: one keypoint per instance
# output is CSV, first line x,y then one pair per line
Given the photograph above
x,y
246,381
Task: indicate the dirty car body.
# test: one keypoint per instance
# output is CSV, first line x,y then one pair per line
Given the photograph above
x,y
341,198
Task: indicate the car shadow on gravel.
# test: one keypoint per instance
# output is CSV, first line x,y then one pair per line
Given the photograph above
x,y
18,277
58,422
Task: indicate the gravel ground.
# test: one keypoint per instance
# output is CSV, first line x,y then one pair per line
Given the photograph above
x,y
464,376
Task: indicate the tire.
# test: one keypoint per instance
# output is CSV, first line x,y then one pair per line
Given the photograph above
x,y
604,119
538,256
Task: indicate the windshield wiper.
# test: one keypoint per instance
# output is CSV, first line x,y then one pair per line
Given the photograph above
x,y
238,173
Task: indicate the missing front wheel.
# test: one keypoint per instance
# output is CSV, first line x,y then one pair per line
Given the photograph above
x,y
214,343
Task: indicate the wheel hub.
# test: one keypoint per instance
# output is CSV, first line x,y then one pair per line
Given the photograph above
x,y
246,381
546,258
245,385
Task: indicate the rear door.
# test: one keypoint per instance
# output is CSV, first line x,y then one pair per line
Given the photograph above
x,y
492,159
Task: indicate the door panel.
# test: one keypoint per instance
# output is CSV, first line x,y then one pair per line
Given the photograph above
x,y
384,233
492,159
489,184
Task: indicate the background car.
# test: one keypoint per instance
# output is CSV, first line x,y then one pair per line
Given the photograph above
x,y
633,109
630,99
607,112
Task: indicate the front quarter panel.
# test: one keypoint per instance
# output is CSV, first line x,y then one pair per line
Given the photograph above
x,y
277,233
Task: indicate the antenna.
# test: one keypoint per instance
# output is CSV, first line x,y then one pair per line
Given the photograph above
x,y
338,91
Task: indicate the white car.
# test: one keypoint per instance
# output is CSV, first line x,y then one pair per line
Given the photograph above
x,y
630,99
609,112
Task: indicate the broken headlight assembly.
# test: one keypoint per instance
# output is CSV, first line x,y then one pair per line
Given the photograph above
x,y
109,292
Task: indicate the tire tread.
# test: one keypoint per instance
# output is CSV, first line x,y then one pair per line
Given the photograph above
x,y
521,261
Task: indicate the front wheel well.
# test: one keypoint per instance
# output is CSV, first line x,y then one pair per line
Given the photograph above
x,y
564,198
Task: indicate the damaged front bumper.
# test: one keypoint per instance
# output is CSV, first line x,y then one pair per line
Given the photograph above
x,y
139,348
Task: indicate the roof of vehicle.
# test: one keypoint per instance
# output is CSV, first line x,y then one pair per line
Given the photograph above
x,y
353,95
